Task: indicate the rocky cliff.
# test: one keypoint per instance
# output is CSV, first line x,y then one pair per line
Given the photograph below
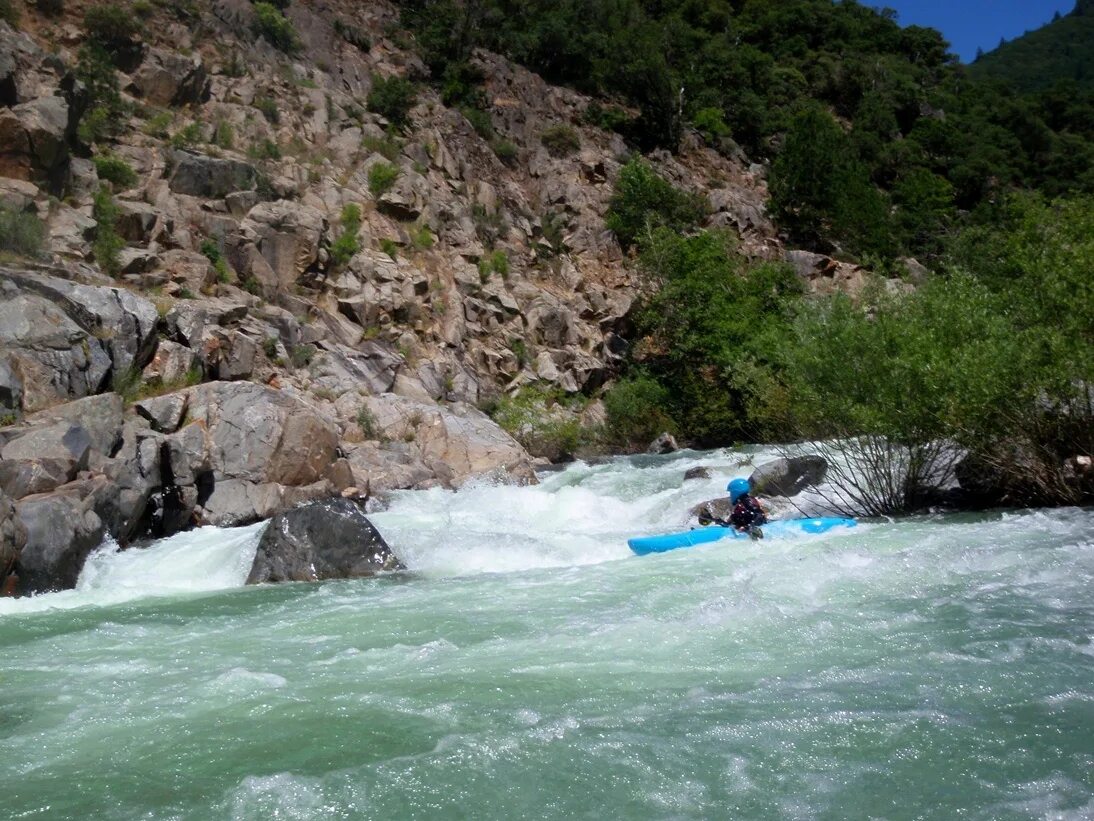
x,y
305,298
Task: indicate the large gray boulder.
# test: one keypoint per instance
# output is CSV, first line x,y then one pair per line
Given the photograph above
x,y
211,177
287,235
328,539
167,78
34,141
788,476
61,530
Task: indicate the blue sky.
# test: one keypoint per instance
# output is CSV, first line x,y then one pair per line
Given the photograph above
x,y
968,24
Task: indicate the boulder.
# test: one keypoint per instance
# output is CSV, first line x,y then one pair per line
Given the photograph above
x,y
328,539
199,175
665,443
788,476
287,235
61,530
43,459
696,473
13,537
167,78
34,141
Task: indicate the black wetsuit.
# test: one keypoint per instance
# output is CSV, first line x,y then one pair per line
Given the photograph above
x,y
747,513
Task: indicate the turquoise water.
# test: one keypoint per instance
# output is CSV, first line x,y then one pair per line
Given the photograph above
x,y
529,666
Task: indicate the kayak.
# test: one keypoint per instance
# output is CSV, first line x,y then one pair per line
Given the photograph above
x,y
703,535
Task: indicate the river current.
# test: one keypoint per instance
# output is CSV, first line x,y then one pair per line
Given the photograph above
x,y
528,666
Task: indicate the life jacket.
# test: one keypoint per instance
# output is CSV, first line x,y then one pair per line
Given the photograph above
x,y
747,513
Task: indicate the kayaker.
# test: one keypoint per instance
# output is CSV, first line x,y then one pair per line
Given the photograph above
x,y
747,510
747,515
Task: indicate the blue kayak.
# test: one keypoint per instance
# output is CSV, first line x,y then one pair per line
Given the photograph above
x,y
703,535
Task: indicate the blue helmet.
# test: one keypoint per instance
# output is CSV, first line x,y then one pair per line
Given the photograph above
x,y
737,488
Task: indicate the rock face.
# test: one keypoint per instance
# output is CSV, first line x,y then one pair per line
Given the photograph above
x,y
788,476
330,539
665,443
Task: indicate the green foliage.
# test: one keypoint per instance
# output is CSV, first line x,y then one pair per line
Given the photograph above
x,y
710,321
127,384
157,125
392,97
105,109
643,202
505,151
276,28
543,420
264,149
21,232
819,189
560,140
269,109
111,27
224,135
114,169
1062,50
381,177
187,136
9,13
421,237
494,263
107,242
302,355
389,146
711,123
479,120
269,347
390,247
347,244
212,251
637,409
366,421
609,118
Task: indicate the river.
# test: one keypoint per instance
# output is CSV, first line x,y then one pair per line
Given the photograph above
x,y
528,666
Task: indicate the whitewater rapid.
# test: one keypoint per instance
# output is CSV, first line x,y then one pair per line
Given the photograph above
x,y
528,666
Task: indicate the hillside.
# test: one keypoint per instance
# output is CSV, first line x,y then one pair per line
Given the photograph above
x,y
1063,50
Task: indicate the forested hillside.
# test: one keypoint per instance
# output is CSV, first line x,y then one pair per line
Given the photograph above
x,y
877,136
1061,52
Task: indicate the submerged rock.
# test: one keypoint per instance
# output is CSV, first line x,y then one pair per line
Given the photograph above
x,y
665,443
328,539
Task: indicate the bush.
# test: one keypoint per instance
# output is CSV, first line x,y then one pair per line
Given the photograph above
x,y
560,140
110,26
637,410
269,109
347,244
421,237
366,422
479,120
9,13
157,125
643,201
390,247
269,347
496,263
224,135
264,149
212,252
389,146
302,355
107,242
276,28
608,118
21,233
381,177
543,420
114,169
505,151
187,136
710,122
105,111
392,97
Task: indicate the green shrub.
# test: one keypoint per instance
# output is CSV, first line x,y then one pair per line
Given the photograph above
x,y
560,140
421,237
268,107
389,146
542,420
638,411
264,149
366,422
110,26
505,151
114,169
269,347
609,118
142,8
643,201
347,244
381,177
495,263
276,28
479,120
390,247
187,136
157,125
224,135
9,13
212,251
107,242
711,123
392,97
302,355
105,111
21,233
